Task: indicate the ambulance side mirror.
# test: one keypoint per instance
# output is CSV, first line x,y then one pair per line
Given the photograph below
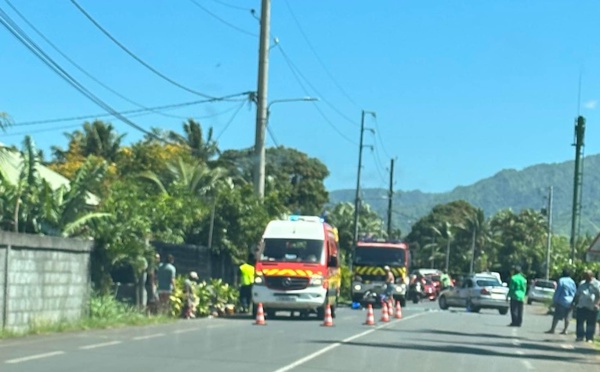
x,y
333,261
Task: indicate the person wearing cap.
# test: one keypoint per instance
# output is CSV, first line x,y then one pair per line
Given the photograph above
x,y
189,291
516,293
389,282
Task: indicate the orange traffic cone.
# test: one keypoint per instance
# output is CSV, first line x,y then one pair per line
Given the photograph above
x,y
385,316
370,316
398,314
328,320
260,315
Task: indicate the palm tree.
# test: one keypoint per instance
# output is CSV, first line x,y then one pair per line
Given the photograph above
x,y
446,233
481,235
98,138
200,148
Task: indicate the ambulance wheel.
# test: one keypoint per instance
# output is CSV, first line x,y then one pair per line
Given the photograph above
x,y
254,311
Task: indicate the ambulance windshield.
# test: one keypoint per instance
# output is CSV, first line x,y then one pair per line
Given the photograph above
x,y
292,250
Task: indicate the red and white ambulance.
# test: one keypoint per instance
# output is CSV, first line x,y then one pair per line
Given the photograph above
x,y
297,267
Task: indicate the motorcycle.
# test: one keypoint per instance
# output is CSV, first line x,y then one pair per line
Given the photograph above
x,y
415,292
374,296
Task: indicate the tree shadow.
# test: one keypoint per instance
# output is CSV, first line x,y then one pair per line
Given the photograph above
x,y
459,349
454,333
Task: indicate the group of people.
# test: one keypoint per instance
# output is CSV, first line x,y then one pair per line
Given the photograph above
x,y
583,300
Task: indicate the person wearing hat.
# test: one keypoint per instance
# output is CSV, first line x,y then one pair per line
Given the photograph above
x,y
516,293
389,282
189,291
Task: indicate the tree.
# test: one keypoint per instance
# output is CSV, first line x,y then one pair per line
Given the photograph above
x,y
200,148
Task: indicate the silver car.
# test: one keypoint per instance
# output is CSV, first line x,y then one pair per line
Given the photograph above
x,y
541,290
475,293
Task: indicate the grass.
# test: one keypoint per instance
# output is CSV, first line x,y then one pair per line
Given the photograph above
x,y
104,312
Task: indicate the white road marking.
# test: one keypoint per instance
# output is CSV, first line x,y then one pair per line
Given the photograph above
x,y
516,342
567,346
520,352
334,345
33,357
186,330
146,337
103,344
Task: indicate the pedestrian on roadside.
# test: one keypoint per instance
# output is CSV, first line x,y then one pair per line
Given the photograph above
x,y
516,294
189,292
587,303
445,279
563,301
246,281
389,283
151,285
166,283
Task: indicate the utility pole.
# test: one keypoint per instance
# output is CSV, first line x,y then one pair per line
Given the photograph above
x,y
357,196
390,200
549,241
577,182
261,100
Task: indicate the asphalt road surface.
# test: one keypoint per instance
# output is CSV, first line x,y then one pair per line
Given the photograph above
x,y
425,339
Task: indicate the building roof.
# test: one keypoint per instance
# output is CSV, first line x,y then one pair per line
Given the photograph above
x,y
11,162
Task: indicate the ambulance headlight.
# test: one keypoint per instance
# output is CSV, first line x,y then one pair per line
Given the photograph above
x,y
316,282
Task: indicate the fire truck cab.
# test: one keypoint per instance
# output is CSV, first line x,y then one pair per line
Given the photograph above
x,y
297,267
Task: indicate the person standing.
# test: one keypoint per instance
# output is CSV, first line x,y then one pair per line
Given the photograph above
x,y
563,301
246,281
151,285
516,293
445,280
189,292
389,283
587,303
166,283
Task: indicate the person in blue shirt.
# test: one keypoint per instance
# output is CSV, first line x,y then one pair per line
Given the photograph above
x,y
563,301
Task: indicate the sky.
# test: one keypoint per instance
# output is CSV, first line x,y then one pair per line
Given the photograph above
x,y
460,89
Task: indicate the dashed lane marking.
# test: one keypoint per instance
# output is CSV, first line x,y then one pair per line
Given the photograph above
x,y
335,345
103,344
33,357
146,337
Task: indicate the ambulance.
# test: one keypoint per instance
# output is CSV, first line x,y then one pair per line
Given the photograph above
x,y
297,267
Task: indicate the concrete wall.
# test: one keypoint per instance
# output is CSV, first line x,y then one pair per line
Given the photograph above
x,y
43,279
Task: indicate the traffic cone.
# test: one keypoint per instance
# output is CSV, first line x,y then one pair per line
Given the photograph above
x,y
328,320
260,315
398,314
385,316
370,316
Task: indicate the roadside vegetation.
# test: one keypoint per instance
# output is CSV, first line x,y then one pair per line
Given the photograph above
x,y
182,188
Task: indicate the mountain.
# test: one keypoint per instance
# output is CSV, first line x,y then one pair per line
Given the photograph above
x,y
509,188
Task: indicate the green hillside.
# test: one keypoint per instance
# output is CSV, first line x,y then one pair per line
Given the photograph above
x,y
509,188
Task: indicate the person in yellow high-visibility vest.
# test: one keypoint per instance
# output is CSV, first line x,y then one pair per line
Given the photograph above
x,y
246,281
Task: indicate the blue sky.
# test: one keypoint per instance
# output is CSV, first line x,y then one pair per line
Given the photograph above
x,y
461,89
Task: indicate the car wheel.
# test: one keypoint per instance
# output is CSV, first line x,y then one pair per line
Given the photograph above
x,y
503,311
443,304
529,302
403,301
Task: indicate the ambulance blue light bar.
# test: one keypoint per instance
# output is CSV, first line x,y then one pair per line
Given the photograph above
x,y
295,217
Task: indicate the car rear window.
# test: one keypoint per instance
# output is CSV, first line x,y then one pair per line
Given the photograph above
x,y
544,284
488,283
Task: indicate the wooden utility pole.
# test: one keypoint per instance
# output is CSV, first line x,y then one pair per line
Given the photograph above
x,y
390,200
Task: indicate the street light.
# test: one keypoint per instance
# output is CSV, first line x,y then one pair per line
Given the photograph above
x,y
260,161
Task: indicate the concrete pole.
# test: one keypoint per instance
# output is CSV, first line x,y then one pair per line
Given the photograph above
x,y
357,195
390,200
261,100
549,240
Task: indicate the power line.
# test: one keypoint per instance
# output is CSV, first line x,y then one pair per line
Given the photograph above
x,y
139,112
134,56
317,56
289,61
54,129
378,165
230,5
229,122
296,73
378,136
231,25
39,33
14,29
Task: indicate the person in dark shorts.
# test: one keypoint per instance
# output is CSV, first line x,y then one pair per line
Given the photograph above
x,y
563,301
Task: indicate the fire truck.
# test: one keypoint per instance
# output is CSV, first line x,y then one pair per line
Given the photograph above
x,y
297,267
370,258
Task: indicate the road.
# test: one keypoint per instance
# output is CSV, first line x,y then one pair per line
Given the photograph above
x,y
425,339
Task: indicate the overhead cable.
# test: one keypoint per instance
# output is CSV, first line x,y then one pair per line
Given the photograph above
x,y
134,56
231,25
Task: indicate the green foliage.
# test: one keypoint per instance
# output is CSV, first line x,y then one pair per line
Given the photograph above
x,y
508,189
106,307
210,297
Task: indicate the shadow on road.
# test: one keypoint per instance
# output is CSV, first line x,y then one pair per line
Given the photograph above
x,y
459,349
453,333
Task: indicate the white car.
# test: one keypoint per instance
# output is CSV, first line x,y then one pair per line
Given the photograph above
x,y
541,290
480,291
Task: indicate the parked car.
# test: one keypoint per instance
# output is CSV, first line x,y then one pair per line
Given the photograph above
x,y
475,293
541,290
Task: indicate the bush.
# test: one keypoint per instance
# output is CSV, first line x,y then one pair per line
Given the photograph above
x,y
212,297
